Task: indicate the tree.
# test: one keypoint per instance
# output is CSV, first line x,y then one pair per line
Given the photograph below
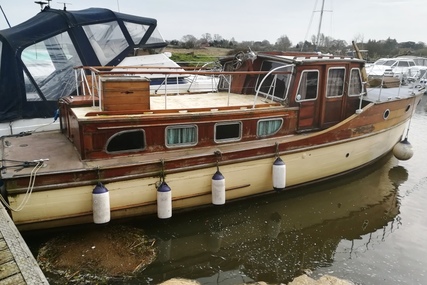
x,y
283,43
217,38
189,41
206,38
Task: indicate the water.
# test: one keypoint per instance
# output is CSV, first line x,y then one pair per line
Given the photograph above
x,y
369,227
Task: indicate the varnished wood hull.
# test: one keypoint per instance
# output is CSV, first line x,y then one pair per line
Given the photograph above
x,y
192,188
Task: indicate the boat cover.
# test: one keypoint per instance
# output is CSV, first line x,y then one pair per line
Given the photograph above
x,y
37,56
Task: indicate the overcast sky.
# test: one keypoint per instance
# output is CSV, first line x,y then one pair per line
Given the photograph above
x,y
258,20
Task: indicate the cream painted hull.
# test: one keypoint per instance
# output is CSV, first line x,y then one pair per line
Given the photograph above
x,y
135,197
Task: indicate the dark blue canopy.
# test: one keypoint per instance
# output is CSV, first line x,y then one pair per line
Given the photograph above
x,y
37,56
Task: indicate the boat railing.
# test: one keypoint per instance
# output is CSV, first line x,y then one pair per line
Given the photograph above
x,y
272,87
214,67
88,79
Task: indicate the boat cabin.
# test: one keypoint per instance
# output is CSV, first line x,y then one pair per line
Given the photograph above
x,y
257,97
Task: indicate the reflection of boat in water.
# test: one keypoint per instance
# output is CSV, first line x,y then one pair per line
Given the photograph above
x,y
273,238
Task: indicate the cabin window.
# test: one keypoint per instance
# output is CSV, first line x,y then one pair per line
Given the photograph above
x,y
107,40
125,141
181,136
155,37
225,132
276,85
268,127
335,87
403,64
50,64
308,85
355,86
136,31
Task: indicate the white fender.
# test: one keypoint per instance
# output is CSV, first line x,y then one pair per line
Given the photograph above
x,y
279,174
218,189
164,201
101,204
403,150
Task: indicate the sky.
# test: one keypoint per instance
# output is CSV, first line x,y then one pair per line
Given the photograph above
x,y
250,20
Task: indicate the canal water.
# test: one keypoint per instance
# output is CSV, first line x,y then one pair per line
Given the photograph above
x,y
369,227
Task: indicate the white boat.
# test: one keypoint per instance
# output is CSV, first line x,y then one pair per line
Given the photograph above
x,y
405,69
39,56
168,83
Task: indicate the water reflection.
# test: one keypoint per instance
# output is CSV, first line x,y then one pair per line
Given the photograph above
x,y
274,238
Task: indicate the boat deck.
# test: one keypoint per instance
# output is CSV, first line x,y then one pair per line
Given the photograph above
x,y
187,102
211,100
378,94
17,264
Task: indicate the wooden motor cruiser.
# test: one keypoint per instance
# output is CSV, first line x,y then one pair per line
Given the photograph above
x,y
274,121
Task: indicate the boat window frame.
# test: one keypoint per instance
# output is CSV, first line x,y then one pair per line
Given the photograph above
x,y
133,150
269,120
403,63
297,99
54,61
287,82
105,51
350,82
329,85
226,140
177,145
132,29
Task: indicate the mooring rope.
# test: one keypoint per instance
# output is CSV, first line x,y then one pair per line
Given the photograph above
x,y
31,182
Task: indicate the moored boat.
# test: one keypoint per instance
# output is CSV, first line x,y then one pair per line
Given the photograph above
x,y
41,52
271,121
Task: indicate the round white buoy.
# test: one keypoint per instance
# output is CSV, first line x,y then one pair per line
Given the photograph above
x,y
403,150
101,204
218,189
164,201
279,174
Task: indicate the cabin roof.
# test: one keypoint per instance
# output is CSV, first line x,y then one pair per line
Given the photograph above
x,y
305,58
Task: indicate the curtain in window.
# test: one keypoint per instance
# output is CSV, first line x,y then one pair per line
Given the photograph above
x,y
335,83
179,136
269,127
355,87
302,89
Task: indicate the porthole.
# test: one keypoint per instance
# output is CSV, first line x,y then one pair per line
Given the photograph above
x,y
226,132
386,114
408,108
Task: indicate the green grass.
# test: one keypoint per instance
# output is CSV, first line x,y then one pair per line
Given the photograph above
x,y
192,59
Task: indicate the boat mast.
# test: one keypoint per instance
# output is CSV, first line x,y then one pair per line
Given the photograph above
x,y
319,27
320,24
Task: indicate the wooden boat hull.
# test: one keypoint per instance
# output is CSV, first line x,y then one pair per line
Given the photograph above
x,y
135,197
